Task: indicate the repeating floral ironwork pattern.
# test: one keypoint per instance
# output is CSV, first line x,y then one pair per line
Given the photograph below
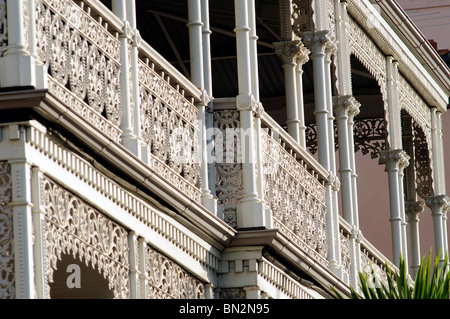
x,y
296,198
73,227
369,263
7,278
232,293
369,136
3,27
83,61
228,168
167,280
346,258
169,128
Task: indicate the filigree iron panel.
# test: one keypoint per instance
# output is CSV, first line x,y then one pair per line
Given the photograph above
x,y
74,227
83,61
3,27
7,281
169,128
296,198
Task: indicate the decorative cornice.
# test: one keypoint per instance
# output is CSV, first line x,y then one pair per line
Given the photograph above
x,y
413,209
394,159
438,202
346,105
317,41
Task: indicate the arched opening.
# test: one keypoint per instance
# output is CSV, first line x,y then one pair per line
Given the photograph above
x,y
74,280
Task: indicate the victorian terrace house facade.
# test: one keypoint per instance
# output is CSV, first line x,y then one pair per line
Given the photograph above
x,y
206,149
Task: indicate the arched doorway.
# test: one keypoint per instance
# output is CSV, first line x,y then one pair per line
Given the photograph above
x,y
74,280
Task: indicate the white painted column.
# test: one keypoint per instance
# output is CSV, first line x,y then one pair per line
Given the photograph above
x,y
395,160
133,257
413,209
23,227
143,280
258,111
302,58
438,205
119,8
396,113
442,175
345,105
250,209
41,74
195,26
317,41
38,228
17,64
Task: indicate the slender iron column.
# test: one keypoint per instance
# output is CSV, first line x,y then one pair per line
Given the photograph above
x,y
302,59
250,208
17,62
413,209
395,161
195,26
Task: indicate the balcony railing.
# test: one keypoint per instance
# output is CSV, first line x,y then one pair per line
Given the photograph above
x,y
371,258
79,43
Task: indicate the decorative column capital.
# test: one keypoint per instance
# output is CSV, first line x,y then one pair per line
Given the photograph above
x,y
137,38
205,98
247,102
441,202
357,234
334,181
346,105
394,159
413,209
317,41
288,50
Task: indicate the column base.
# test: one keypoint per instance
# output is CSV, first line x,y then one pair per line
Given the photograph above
x,y
251,214
17,70
210,203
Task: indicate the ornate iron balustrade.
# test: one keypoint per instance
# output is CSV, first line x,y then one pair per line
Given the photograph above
x,y
79,44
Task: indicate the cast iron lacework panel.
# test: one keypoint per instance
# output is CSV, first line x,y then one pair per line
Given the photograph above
x,y
7,281
369,136
167,280
83,60
74,227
